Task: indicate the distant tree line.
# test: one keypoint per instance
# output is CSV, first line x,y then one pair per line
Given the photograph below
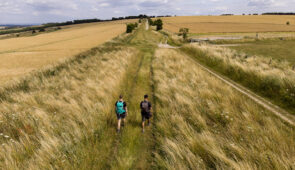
x,y
227,14
279,13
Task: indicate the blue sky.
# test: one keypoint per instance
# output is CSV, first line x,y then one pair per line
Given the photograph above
x,y
42,11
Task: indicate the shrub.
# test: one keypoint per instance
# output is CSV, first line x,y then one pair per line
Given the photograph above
x,y
287,23
159,24
183,32
42,30
131,27
34,31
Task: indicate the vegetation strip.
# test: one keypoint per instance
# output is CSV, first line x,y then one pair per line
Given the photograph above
x,y
281,113
271,80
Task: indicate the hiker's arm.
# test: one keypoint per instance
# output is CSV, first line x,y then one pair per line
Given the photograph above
x,y
151,108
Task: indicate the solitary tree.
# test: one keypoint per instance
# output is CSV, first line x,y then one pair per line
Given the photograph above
x,y
159,24
184,32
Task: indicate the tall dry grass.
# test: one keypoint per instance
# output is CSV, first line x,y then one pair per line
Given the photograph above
x,y
204,124
46,114
269,77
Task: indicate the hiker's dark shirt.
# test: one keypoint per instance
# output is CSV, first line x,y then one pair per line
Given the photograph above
x,y
142,110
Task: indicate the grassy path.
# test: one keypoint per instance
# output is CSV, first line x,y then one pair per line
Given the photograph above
x,y
134,151
130,149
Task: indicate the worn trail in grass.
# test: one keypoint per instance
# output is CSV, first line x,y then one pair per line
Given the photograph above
x,y
134,150
130,149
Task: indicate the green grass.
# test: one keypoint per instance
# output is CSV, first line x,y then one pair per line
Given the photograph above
x,y
273,48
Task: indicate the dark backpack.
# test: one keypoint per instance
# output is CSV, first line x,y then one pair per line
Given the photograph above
x,y
145,107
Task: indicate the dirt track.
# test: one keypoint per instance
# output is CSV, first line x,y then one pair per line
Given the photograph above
x,y
276,110
284,115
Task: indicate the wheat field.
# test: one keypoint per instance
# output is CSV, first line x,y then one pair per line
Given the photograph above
x,y
25,54
204,124
229,24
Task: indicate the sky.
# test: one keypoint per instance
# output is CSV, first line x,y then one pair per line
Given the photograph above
x,y
44,11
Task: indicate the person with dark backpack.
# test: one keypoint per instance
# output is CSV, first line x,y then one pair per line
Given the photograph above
x,y
146,108
121,111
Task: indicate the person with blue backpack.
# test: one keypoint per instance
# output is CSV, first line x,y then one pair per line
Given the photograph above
x,y
121,111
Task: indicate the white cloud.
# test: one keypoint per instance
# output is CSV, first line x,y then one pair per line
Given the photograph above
x,y
39,11
104,4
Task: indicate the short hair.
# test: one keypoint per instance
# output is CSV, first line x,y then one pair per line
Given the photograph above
x,y
146,96
121,97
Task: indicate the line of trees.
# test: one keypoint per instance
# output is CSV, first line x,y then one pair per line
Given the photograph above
x,y
279,13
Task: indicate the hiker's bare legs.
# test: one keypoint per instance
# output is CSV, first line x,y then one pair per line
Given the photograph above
x,y
142,124
119,124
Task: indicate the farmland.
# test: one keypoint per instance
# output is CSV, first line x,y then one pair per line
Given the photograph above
x,y
63,116
271,48
230,24
25,54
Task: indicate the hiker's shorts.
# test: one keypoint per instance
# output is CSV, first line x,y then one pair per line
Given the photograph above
x,y
145,116
121,116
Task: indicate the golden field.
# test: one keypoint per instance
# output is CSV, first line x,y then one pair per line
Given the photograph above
x,y
227,24
24,54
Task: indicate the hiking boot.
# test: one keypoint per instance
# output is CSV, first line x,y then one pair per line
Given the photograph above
x,y
142,131
118,130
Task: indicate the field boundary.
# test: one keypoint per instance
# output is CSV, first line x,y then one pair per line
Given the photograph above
x,y
276,110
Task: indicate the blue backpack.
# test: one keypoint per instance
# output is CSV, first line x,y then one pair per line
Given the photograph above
x,y
120,107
